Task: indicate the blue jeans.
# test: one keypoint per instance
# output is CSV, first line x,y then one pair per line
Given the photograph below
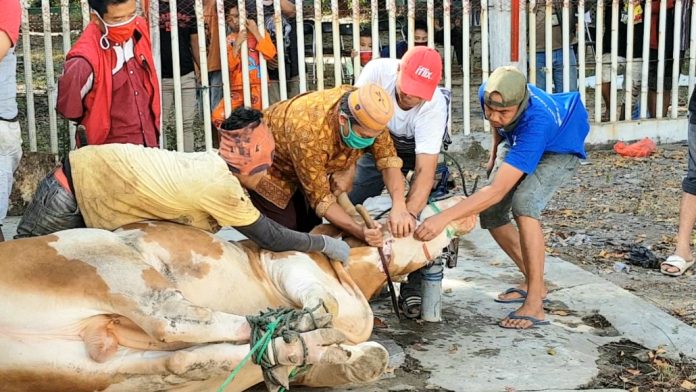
x,y
557,64
368,180
51,209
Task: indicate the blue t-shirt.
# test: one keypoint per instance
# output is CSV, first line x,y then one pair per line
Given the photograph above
x,y
551,123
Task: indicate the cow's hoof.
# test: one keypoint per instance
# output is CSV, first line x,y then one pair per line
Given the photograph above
x,y
318,346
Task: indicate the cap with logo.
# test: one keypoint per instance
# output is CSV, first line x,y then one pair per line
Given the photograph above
x,y
248,150
371,106
421,71
509,83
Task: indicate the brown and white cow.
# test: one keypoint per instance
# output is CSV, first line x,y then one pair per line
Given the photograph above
x,y
157,306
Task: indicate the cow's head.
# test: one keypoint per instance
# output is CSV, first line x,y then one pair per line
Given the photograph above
x,y
406,254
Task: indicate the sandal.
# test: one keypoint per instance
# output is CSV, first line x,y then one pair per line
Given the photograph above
x,y
676,262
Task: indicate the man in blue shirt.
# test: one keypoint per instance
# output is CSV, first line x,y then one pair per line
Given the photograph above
x,y
538,141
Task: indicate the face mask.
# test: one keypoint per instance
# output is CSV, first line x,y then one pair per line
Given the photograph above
x,y
354,141
365,56
117,32
420,43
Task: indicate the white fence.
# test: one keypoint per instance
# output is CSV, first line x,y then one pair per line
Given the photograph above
x,y
461,27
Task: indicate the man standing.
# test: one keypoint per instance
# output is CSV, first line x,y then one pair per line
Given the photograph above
x,y
112,63
537,144
111,186
417,128
10,133
317,136
683,259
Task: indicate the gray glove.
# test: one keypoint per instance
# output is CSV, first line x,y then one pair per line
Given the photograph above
x,y
336,249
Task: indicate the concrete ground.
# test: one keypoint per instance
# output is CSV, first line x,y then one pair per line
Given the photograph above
x,y
468,351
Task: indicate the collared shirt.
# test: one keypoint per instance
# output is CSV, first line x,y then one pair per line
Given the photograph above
x,y
118,184
131,113
309,149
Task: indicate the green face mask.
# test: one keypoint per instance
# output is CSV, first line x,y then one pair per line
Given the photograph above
x,y
354,141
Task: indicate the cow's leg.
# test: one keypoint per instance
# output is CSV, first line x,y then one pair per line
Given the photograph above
x,y
367,362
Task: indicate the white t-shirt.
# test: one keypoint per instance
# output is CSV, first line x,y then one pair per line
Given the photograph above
x,y
420,128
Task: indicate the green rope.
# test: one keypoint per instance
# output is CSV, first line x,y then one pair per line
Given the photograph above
x,y
261,344
448,229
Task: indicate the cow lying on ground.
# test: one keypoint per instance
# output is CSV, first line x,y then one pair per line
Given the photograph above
x,y
156,306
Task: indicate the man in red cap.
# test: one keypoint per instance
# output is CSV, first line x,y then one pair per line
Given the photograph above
x,y
317,136
109,186
418,128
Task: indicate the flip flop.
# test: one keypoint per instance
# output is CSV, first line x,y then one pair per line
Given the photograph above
x,y
521,299
535,321
676,262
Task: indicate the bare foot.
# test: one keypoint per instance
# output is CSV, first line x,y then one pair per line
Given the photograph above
x,y
528,316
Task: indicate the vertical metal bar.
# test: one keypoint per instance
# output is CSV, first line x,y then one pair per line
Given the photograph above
x,y
205,83
674,101
84,7
548,46
299,20
356,40
466,68
692,49
430,23
319,45
532,41
448,44
661,59
628,76
263,71
65,25
566,45
598,61
28,77
50,77
280,47
244,53
337,46
176,74
411,24
224,64
611,105
391,11
375,27
647,16
484,50
581,50
154,25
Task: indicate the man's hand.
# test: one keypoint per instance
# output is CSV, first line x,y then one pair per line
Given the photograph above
x,y
373,237
401,222
253,28
272,63
241,37
431,227
336,249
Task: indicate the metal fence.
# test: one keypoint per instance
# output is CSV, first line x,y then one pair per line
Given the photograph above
x,y
327,46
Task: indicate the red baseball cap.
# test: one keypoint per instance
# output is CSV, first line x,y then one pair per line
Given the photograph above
x,y
421,71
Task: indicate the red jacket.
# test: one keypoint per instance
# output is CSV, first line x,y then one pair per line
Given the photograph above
x,y
97,119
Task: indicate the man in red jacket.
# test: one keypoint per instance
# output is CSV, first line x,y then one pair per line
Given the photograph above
x,y
112,63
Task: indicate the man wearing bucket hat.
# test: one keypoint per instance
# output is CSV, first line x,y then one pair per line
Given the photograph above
x,y
109,186
321,134
538,141
418,129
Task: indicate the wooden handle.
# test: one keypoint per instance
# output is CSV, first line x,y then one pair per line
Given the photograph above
x,y
346,204
366,216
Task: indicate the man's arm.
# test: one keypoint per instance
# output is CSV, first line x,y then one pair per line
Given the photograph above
x,y
495,141
422,183
196,52
287,8
401,222
73,85
504,181
268,234
5,44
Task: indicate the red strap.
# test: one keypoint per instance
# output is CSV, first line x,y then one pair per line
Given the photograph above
x,y
59,175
